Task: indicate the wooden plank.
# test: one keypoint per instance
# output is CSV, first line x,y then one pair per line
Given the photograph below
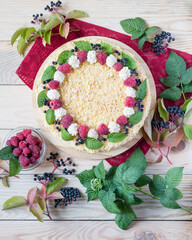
x,y
150,210
91,230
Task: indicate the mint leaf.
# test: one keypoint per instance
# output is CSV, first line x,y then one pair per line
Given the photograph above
x,y
175,65
185,105
157,186
142,90
85,177
131,63
47,36
14,166
188,131
187,87
135,26
64,57
131,175
48,73
55,185
83,45
141,41
92,194
65,135
186,77
174,176
124,219
173,194
106,48
41,97
136,118
116,137
13,202
137,160
143,180
76,14
16,34
108,201
162,110
169,203
6,153
99,171
50,116
170,81
92,143
173,94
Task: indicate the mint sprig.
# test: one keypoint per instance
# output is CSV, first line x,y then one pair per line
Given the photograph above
x,y
65,135
107,48
116,137
142,90
83,45
50,116
92,143
48,73
136,118
41,97
64,56
130,63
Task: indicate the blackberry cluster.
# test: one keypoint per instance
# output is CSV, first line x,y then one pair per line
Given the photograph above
x,y
74,50
53,6
70,194
175,111
45,177
140,106
97,46
162,42
79,141
36,18
159,125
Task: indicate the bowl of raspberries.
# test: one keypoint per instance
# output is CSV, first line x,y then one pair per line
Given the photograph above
x,y
28,145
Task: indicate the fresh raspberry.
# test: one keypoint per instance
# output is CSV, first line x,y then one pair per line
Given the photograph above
x,y
67,120
26,132
14,141
118,66
102,57
122,120
54,84
9,143
130,102
82,56
55,104
83,130
131,82
39,144
31,139
22,145
102,129
24,161
64,68
17,152
35,150
33,160
20,136
26,151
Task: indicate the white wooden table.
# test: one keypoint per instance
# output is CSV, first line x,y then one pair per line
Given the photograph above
x,y
84,220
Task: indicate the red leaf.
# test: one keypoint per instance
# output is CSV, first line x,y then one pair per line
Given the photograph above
x,y
32,194
43,192
173,138
55,195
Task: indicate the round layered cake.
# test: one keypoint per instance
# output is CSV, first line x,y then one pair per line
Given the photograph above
x,y
92,94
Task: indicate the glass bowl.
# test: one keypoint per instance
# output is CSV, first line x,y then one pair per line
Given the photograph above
x,y
35,133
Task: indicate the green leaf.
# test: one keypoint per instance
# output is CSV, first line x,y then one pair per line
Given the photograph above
x,y
173,94
119,173
107,199
21,45
83,45
16,34
41,202
65,135
13,202
76,14
53,22
64,57
142,90
136,118
14,166
131,175
128,198
109,185
141,41
169,203
55,185
37,212
39,31
50,116
91,194
106,48
6,153
137,160
131,63
170,81
92,143
124,219
186,77
188,131
41,97
187,87
28,33
150,30
64,29
47,36
5,181
175,65
188,107
85,177
99,171
137,201
143,180
111,172
135,26
174,176
173,194
116,137
48,73
184,106
162,110
157,186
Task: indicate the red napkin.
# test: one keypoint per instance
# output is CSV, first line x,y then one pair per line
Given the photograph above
x,y
38,53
